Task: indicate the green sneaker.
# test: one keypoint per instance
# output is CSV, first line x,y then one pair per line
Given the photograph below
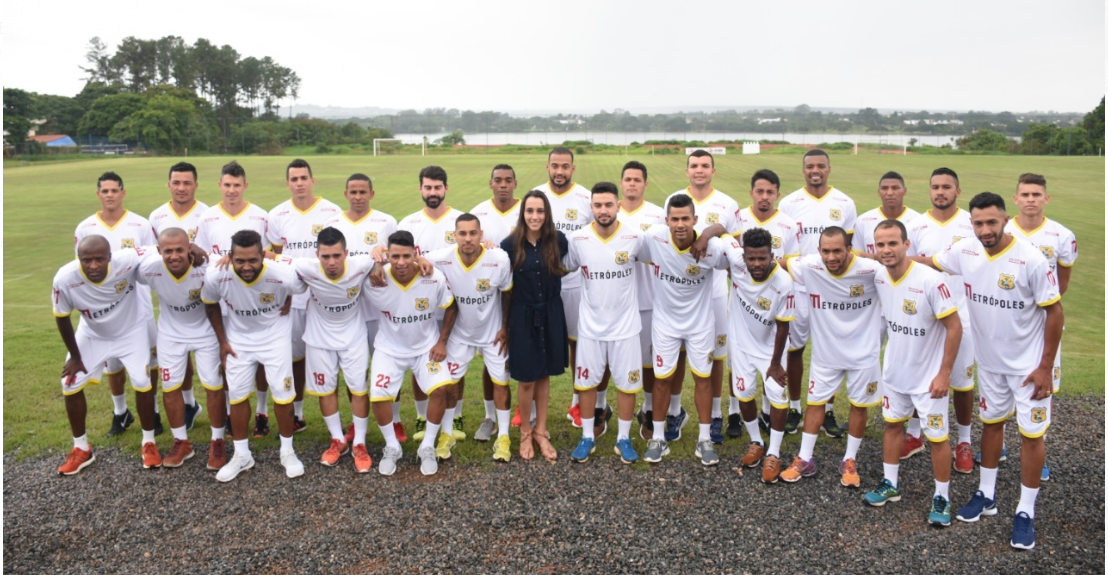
x,y
792,421
940,512
459,428
885,493
420,429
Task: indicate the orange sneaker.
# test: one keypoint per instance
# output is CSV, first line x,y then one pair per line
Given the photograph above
x,y
753,455
362,460
77,460
771,469
348,437
217,455
398,428
178,454
334,452
574,415
911,446
963,458
151,459
516,420
849,469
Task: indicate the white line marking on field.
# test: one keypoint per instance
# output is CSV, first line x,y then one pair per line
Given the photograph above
x,y
17,278
27,305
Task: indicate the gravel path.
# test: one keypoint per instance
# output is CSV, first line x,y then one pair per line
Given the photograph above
x,y
600,517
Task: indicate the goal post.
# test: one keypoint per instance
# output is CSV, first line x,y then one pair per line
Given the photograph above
x,y
377,144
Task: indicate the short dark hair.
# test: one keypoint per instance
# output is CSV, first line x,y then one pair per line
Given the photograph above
x,y
1035,179
987,200
701,154
887,224
432,173
757,238
561,150
298,163
329,236
767,175
109,177
402,238
633,165
359,177
183,167
245,239
467,217
500,167
892,176
833,231
680,201
605,188
233,169
946,172
816,152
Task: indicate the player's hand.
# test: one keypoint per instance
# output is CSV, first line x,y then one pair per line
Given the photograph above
x,y
378,254
224,262
940,385
438,353
1043,380
197,256
72,367
778,374
377,276
225,350
501,341
699,248
287,307
490,245
426,268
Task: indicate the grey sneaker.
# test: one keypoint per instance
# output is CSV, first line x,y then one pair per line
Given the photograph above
x,y
656,449
484,433
291,463
428,462
242,461
706,451
389,457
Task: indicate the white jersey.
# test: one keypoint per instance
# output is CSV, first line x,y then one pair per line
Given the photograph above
x,y
110,309
1005,294
295,230
182,316
334,318
571,211
1057,244
430,234
912,307
757,306
254,321
131,231
845,311
217,226
863,241
477,290
717,208
682,288
408,324
813,215
930,237
164,218
495,224
643,218
781,227
609,300
372,230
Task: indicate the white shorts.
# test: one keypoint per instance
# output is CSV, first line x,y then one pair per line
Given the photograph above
x,y
667,347
801,325
1001,394
278,372
112,366
744,383
961,379
1057,373
299,322
646,316
719,337
863,386
130,352
371,328
459,355
322,368
387,375
175,359
571,302
620,356
897,408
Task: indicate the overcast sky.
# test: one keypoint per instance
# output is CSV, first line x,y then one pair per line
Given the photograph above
x,y
591,55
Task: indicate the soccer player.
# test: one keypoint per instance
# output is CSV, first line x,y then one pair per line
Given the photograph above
x,y
924,331
1017,316
761,309
712,206
608,255
846,326
891,191
256,335
410,339
682,296
930,234
816,206
481,280
112,325
570,205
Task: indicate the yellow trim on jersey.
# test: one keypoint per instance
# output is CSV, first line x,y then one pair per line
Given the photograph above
x,y
1006,249
907,273
947,313
359,394
245,206
359,220
789,262
1035,435
492,204
903,212
762,223
768,276
809,194
188,273
942,439
466,268
569,188
688,192
853,260
105,224
785,319
622,210
174,388
942,224
938,266
333,281
866,405
697,373
186,214
1052,301
673,243
998,420
206,302
56,314
256,278
443,384
1065,265
619,225
1016,225
444,214
400,285
896,420
284,402
447,304
211,387
380,399
310,208
107,275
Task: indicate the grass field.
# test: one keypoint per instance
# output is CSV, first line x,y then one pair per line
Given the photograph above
x,y
43,203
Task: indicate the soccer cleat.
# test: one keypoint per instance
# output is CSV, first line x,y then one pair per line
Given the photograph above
x,y
1023,531
763,421
389,457
830,426
979,505
883,493
516,419
706,451
674,424
799,469
77,460
849,470
1045,476
180,452
715,430
574,415
459,429
753,455
261,425
420,429
911,446
348,437
656,449
600,421
626,451
120,423
485,431
792,421
217,455
646,424
428,463
940,512
191,411
584,449
298,424
362,460
239,463
735,426
398,429
771,469
151,459
502,449
963,458
335,452
291,463
158,427
1003,456
445,444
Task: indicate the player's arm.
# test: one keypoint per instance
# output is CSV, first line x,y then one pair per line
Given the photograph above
x,y
73,365
940,385
505,313
700,246
215,317
1064,273
780,343
1042,377
438,352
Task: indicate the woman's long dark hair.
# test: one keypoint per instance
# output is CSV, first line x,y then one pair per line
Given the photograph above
x,y
548,236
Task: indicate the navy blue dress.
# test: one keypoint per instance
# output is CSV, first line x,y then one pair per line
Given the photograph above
x,y
538,342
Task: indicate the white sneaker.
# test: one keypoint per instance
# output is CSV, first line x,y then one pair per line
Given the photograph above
x,y
389,457
428,462
241,461
293,467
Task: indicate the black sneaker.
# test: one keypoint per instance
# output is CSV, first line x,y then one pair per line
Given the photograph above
x,y
735,426
227,425
191,411
158,429
120,423
792,421
830,426
261,425
646,424
715,430
763,421
298,424
600,424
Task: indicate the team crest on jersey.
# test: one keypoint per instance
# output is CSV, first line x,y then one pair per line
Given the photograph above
x,y
316,229
422,303
644,226
450,237
127,243
721,340
1007,281
571,214
776,243
909,307
1038,415
857,290
433,367
957,239
713,218
288,384
267,298
353,292
121,286
1057,373
371,238
692,270
192,235
483,284
935,421
836,214
194,294
1048,251
969,372
633,376
622,258
871,388
764,304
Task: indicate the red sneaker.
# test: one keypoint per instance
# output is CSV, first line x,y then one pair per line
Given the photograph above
x,y
77,460
151,458
348,437
963,458
516,420
362,460
574,415
398,428
911,446
217,455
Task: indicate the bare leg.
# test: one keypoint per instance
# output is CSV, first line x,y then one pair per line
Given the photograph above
x,y
76,408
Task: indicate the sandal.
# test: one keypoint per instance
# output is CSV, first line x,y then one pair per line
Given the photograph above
x,y
548,451
526,448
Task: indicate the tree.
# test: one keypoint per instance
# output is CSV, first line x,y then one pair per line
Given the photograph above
x,y
108,111
1036,139
99,65
19,110
162,123
1093,122
984,141
61,113
455,138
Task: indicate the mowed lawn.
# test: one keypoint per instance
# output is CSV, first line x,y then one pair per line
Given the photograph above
x,y
43,204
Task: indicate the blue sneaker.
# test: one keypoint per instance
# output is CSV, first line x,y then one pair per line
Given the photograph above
x,y
191,411
1046,472
884,493
979,505
674,423
940,512
584,449
715,430
626,451
1003,456
1023,531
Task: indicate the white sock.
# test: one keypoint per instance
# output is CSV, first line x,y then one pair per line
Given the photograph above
x,y
227,404
987,485
189,396
534,409
807,445
432,435
675,404
964,433
490,409
733,406
852,445
601,400
717,407
1027,500
242,446
298,409
157,408
576,399
81,442
448,420
421,408
389,434
588,428
361,425
458,408
334,425
659,429
765,404
503,418
147,436
754,431
286,444
624,430
263,406
647,401
794,404
942,488
588,419
179,433
119,404
705,432
217,432
892,473
829,407
913,427
775,438
396,412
